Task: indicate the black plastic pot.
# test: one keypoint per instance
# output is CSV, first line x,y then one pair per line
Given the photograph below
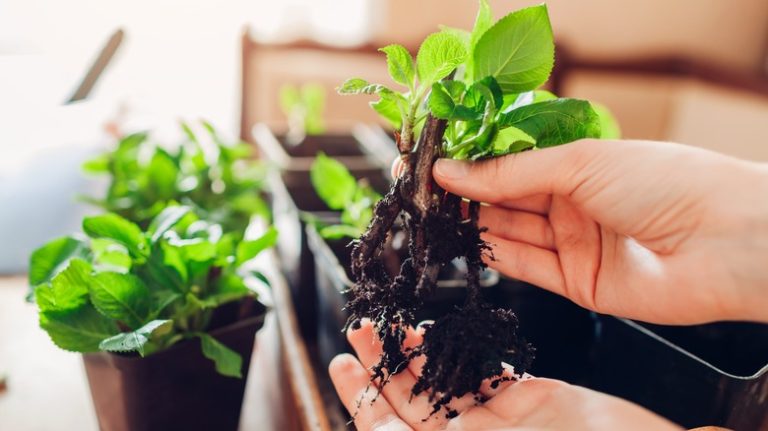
x,y
174,389
715,374
293,195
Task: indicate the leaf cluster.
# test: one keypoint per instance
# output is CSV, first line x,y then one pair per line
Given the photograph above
x,y
336,186
303,107
484,82
121,288
220,181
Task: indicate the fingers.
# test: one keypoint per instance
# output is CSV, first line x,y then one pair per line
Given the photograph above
x,y
415,410
526,262
397,168
557,170
368,348
518,226
397,391
352,381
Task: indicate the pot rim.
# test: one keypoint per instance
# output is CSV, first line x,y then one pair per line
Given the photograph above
x,y
268,142
634,325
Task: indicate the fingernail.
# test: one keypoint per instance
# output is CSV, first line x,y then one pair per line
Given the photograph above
x,y
451,169
424,323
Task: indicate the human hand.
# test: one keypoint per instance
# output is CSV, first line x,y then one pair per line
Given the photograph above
x,y
531,404
652,231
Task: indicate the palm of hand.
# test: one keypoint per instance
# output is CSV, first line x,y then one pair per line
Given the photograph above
x,y
531,404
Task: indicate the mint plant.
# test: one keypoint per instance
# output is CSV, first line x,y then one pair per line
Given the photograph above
x,y
303,107
342,192
219,180
467,95
121,289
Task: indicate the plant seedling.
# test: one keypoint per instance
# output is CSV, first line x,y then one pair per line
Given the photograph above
x,y
468,95
340,191
303,107
122,289
220,181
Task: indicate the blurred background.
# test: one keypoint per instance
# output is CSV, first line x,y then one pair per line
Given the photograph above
x,y
689,71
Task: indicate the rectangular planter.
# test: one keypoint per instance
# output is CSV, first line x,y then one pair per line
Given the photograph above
x,y
293,195
177,388
714,374
346,148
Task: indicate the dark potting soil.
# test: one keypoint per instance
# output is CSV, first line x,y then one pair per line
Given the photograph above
x,y
463,347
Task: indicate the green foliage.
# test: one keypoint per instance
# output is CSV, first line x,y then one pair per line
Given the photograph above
x,y
303,107
218,180
127,290
485,84
340,191
227,361
138,340
518,51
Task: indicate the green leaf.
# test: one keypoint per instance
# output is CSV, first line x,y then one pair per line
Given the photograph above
x,y
79,330
122,297
166,220
455,88
68,290
289,98
227,361
518,50
461,34
483,21
400,64
339,231
51,258
195,249
137,340
332,182
313,96
487,89
97,165
247,250
161,175
512,140
361,86
388,109
609,126
554,122
438,56
442,106
114,227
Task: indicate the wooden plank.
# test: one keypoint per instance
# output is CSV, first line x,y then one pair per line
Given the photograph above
x,y
299,372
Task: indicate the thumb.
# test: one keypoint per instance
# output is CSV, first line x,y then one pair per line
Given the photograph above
x,y
555,170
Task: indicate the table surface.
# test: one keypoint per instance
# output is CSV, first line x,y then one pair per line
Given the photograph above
x,y
46,386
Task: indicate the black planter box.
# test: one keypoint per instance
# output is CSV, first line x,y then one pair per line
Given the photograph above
x,y
177,388
714,374
293,197
357,151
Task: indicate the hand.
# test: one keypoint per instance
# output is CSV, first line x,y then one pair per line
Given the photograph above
x,y
532,404
658,232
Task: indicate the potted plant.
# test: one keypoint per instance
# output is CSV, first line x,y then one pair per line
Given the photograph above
x,y
218,179
165,317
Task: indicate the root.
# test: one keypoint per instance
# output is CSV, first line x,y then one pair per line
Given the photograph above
x,y
462,348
